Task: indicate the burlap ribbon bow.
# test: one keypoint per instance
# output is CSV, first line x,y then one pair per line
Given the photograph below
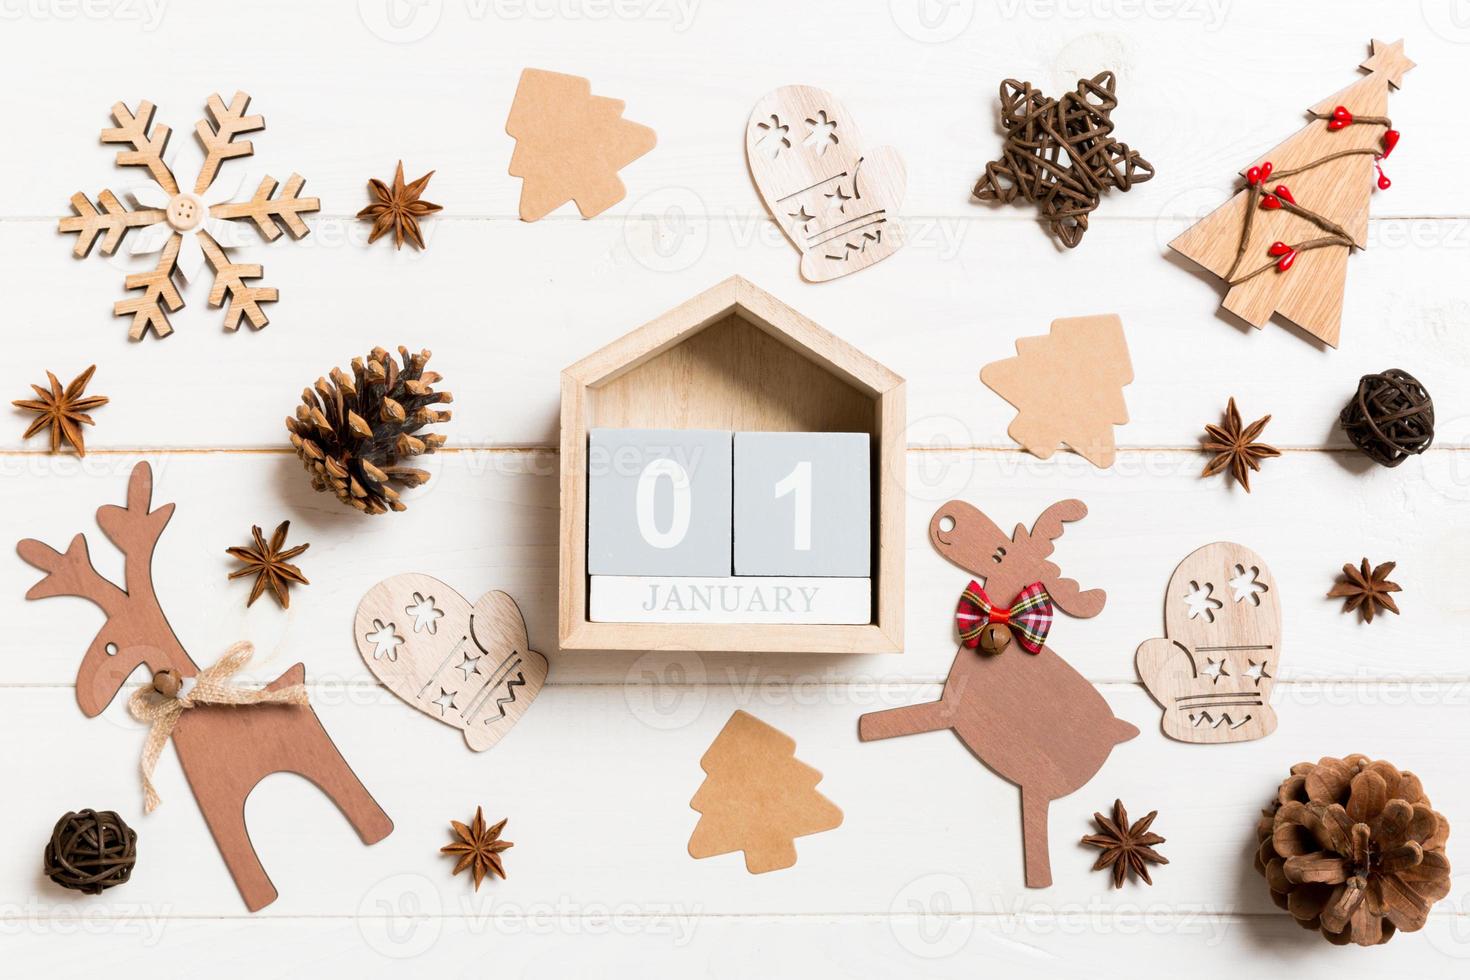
x,y
162,704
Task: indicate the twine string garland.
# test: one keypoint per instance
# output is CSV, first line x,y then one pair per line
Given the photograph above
x,y
162,705
90,851
1256,190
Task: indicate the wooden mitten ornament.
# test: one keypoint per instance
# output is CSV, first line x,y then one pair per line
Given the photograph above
x,y
224,749
1282,242
1068,387
570,144
835,200
1019,707
757,797
1212,673
471,667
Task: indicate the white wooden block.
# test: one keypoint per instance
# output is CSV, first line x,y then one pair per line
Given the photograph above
x,y
742,599
658,502
802,503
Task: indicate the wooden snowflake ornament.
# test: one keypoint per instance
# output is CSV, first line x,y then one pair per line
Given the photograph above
x,y
188,225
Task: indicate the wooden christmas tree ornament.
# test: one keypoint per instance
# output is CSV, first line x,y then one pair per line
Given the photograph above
x,y
757,797
1213,670
570,144
188,225
1067,387
225,748
836,200
470,666
1015,703
1282,242
1353,849
1060,154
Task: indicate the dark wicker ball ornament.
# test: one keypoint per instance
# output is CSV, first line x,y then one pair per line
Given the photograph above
x,y
90,851
1390,418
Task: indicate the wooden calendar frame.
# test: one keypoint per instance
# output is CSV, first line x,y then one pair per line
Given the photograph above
x,y
734,357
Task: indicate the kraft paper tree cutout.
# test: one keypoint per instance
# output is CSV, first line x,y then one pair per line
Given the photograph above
x,y
1213,671
757,797
570,144
1068,387
224,749
836,200
1282,243
469,666
1028,716
189,224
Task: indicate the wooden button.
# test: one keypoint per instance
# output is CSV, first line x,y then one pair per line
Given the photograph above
x,y
185,212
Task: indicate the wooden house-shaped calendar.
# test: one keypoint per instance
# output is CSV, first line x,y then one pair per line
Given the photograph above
x,y
736,362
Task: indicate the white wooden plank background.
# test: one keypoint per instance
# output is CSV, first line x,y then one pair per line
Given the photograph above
x,y
924,877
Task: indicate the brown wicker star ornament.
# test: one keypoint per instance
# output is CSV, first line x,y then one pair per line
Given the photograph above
x,y
62,410
478,847
1125,848
270,565
1367,589
398,209
1235,447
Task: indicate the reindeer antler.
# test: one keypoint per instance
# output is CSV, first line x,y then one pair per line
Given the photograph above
x,y
134,529
70,574
1065,592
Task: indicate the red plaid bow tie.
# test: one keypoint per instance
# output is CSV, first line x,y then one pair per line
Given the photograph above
x,y
1029,617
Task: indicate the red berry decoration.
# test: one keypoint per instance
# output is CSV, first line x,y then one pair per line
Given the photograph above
x,y
1255,175
1340,118
1383,182
1390,140
1284,194
1270,203
1287,255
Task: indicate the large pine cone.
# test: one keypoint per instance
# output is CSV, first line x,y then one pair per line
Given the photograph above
x,y
1353,848
352,433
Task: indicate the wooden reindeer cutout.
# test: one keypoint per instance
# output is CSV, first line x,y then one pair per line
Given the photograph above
x,y
1027,715
224,750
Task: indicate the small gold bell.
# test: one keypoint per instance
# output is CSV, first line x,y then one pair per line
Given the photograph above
x,y
994,638
168,683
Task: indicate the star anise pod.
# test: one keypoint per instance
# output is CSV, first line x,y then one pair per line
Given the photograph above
x,y
63,410
398,209
1125,848
479,847
1235,447
270,565
1367,588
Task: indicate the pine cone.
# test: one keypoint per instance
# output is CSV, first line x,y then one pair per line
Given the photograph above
x,y
352,433
1351,847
